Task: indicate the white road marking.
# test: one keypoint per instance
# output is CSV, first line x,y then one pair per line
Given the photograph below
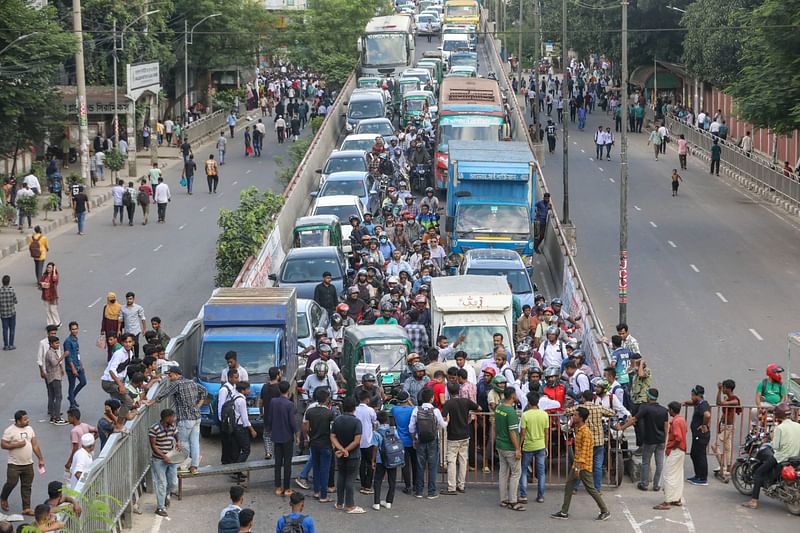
x,y
721,297
672,244
220,195
157,248
627,512
203,208
611,180
235,182
689,522
756,335
181,227
248,172
157,524
653,224
601,169
94,303
695,268
637,208
131,271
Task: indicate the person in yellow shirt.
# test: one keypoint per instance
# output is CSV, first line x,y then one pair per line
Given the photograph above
x,y
38,247
533,427
582,467
159,132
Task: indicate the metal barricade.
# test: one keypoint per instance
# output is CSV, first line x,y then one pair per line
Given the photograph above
x,y
753,165
206,125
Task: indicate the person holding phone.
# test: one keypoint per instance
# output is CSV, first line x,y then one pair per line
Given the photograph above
x,y
20,441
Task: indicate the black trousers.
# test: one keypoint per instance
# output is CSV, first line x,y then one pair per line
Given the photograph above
x,y
241,439
764,475
212,180
365,471
391,476
283,464
409,469
715,166
229,448
698,455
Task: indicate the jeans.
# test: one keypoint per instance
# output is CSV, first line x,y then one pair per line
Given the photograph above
x,y
131,209
162,212
598,454
391,476
457,463
283,464
410,469
81,217
764,475
365,471
527,458
118,209
165,480
509,476
306,469
14,475
584,477
54,398
682,160
598,148
9,328
38,268
72,390
269,447
189,436
427,460
189,183
221,157
698,454
648,450
345,481
581,122
321,461
608,151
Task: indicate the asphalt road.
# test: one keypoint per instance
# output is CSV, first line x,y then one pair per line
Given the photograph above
x,y
169,266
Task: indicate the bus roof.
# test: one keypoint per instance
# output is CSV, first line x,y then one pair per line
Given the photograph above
x,y
390,24
459,91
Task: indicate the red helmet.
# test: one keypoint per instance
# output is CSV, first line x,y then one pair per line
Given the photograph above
x,y
342,309
788,473
774,372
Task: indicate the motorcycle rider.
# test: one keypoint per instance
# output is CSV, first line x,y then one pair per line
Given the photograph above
x,y
610,401
320,378
400,239
430,200
420,156
356,306
785,444
397,264
554,388
771,391
427,219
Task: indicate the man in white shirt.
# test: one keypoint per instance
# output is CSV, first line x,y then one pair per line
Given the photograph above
x,y
123,148
33,183
169,126
609,141
113,378
100,162
714,128
162,197
82,460
664,132
747,144
701,120
232,361
461,362
116,193
552,349
599,142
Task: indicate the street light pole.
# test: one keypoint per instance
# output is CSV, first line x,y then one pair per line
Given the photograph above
x,y
623,173
116,114
519,46
187,40
80,75
565,120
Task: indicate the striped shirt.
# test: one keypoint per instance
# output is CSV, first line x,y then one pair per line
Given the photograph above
x,y
165,438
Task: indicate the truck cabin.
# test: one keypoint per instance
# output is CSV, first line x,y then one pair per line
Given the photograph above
x,y
381,349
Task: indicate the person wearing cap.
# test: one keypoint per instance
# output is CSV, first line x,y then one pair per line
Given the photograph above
x,y
785,444
187,397
82,460
701,435
418,380
541,214
652,422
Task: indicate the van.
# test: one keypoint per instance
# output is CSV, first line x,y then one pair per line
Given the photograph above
x,y
362,105
453,42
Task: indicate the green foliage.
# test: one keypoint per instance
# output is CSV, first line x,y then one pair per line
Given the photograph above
x,y
26,68
316,124
325,35
297,151
51,204
98,509
767,87
28,205
114,160
38,169
243,231
225,99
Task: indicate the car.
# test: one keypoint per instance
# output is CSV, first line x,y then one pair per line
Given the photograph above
x,y
302,270
500,262
361,142
453,42
344,161
363,105
310,315
377,126
343,207
421,74
345,183
462,71
422,24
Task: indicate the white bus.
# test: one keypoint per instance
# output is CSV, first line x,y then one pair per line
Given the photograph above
x,y
387,46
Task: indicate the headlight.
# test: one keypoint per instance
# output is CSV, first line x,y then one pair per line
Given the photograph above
x,y
349,127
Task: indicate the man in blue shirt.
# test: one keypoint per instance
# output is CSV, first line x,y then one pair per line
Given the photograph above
x,y
298,502
402,416
542,211
72,364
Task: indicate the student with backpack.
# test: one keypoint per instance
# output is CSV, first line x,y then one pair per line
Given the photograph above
x,y
296,521
388,454
38,248
226,414
426,421
229,516
143,198
128,201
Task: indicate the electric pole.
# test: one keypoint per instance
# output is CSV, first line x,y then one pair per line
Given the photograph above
x,y
519,46
623,175
565,120
83,119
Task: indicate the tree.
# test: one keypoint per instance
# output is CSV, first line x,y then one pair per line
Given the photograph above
x,y
767,88
32,47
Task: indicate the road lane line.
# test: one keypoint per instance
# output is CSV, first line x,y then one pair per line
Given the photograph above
x,y
631,520
672,244
248,172
181,227
689,522
234,183
695,268
756,335
157,248
601,169
611,180
203,208
94,303
157,524
653,224
637,208
131,271
721,297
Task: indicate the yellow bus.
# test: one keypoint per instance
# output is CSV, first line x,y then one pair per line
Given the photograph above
x,y
463,12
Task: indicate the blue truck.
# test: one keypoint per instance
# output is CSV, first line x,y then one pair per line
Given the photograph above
x,y
491,194
260,325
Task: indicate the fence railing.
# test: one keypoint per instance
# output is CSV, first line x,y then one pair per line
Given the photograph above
x,y
206,125
752,165
124,461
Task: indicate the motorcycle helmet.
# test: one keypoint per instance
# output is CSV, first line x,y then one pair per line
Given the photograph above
x,y
353,290
578,354
369,376
325,348
497,381
551,371
428,189
362,272
418,367
556,301
320,369
534,369
774,372
354,217
788,473
343,308
426,280
573,344
393,279
319,331
386,306
336,319
600,385
552,330
523,348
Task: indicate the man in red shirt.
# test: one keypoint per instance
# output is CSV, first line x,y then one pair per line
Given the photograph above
x,y
439,388
675,454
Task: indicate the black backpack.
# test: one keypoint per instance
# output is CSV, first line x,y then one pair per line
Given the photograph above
x,y
293,525
227,418
142,198
127,199
426,425
229,523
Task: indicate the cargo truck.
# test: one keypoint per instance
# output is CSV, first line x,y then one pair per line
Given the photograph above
x,y
491,194
260,325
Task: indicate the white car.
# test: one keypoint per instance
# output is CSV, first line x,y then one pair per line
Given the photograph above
x,y
358,141
343,206
422,21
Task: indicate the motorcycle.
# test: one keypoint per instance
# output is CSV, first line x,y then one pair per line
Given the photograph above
x,y
419,178
756,450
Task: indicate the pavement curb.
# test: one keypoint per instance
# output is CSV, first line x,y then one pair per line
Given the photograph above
x,y
51,225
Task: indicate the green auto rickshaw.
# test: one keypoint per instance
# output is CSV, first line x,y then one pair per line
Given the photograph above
x,y
380,349
438,68
368,82
317,230
401,87
415,104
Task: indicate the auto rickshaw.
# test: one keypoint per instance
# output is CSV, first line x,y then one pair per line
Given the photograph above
x,y
438,66
368,82
415,103
380,349
317,230
401,87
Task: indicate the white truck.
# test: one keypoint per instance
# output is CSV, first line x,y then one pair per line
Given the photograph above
x,y
475,306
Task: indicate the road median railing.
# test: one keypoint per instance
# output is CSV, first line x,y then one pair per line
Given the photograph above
x,y
206,125
753,167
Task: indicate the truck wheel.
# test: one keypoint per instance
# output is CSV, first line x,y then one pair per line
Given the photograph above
x,y
205,431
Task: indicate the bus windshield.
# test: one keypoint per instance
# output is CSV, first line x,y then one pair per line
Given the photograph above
x,y
488,132
385,49
462,11
488,219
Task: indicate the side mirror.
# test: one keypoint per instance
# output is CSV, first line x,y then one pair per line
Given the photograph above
x,y
449,225
313,194
273,277
318,171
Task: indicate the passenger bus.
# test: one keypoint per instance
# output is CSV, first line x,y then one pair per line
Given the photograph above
x,y
462,11
470,109
387,46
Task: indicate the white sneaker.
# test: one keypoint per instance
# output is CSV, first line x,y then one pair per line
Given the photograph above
x,y
386,505
376,507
